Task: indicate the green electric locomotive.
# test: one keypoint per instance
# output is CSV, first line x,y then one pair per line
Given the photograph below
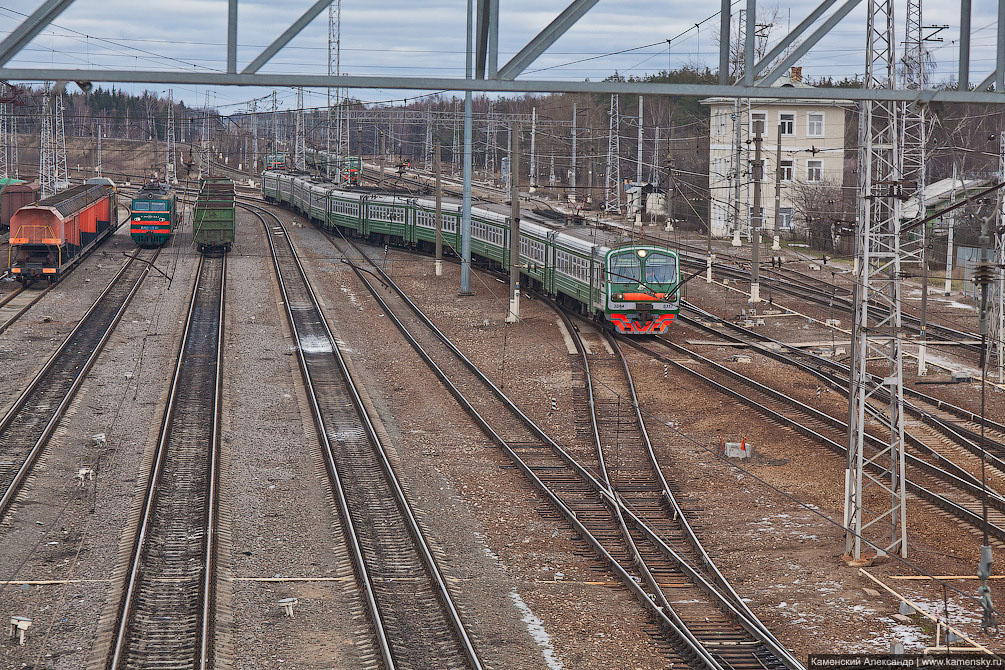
x,y
153,215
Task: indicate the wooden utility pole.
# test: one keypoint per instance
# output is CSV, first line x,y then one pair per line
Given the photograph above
x,y
514,227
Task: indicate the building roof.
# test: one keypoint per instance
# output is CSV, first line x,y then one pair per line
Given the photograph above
x,y
941,193
788,80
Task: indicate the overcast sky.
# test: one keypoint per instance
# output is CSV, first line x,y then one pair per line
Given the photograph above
x,y
427,38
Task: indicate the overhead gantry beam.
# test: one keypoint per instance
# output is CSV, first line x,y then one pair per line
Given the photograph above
x,y
31,27
491,78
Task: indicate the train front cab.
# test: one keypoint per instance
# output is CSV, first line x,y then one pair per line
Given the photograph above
x,y
40,244
151,221
642,296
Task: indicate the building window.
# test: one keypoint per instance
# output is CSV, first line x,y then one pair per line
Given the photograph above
x,y
814,170
815,124
758,119
784,218
787,123
786,170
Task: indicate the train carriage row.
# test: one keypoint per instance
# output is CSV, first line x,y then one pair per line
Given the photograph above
x,y
558,263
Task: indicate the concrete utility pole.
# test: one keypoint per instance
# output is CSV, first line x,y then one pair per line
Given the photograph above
x,y
466,199
951,231
756,217
775,246
572,174
533,146
514,240
638,157
383,142
439,208
97,167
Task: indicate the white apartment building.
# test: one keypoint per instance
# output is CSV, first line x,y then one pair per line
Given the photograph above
x,y
812,152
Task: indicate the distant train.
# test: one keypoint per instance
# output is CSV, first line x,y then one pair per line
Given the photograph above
x,y
631,287
276,161
153,215
351,165
48,237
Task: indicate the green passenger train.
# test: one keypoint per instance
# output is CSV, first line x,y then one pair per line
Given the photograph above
x,y
632,287
153,215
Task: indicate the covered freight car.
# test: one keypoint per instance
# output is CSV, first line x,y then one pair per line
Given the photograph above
x,y
15,194
48,237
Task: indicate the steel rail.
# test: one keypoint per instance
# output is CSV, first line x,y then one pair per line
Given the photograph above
x,y
967,438
730,601
18,406
932,497
139,543
588,477
404,506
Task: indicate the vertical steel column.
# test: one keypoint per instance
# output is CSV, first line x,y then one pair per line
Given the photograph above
x,y
725,19
638,165
232,36
466,199
964,75
875,498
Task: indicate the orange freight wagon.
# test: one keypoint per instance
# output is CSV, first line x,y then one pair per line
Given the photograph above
x,y
50,236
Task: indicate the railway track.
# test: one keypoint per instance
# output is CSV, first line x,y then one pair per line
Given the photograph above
x,y
414,620
27,426
575,490
827,296
929,476
165,615
939,425
17,302
700,596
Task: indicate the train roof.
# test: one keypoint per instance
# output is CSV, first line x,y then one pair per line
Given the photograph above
x,y
74,198
153,190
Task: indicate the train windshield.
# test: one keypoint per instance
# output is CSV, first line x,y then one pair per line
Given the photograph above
x,y
625,267
661,269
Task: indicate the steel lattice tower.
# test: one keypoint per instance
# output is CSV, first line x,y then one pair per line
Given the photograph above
x,y
204,142
427,143
875,507
299,144
46,155
14,164
62,176
5,139
737,215
612,182
171,149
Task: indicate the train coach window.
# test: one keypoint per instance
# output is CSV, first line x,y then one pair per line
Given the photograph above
x,y
141,206
661,269
625,267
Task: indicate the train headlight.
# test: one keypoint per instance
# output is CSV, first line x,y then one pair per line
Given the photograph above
x,y
618,296
642,253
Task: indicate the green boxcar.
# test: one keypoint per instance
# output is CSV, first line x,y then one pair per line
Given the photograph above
x,y
215,216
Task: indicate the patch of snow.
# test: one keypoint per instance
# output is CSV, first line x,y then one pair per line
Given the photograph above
x,y
536,629
310,344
